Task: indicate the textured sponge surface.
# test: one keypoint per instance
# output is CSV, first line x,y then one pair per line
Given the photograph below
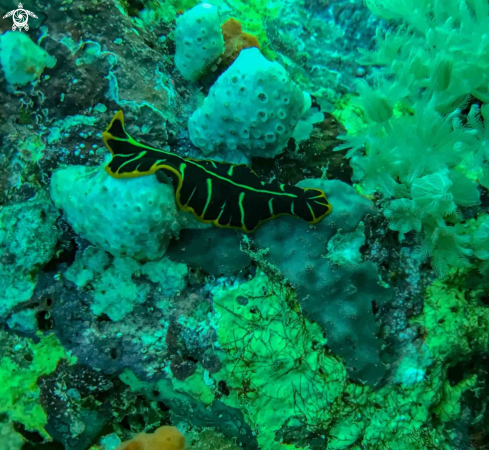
x,y
199,41
251,110
133,217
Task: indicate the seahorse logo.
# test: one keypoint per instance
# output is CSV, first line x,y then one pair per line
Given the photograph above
x,y
20,17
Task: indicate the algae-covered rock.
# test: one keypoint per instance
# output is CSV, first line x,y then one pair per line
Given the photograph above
x,y
116,283
28,236
21,365
275,359
337,296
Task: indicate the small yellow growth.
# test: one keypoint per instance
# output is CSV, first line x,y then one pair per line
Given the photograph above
x,y
350,114
164,438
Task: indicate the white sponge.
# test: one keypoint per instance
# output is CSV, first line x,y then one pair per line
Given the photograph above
x,y
133,217
199,41
251,110
22,60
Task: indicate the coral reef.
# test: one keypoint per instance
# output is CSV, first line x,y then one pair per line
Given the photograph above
x,y
127,324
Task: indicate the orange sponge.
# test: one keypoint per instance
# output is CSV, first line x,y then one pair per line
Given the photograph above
x,y
164,438
235,40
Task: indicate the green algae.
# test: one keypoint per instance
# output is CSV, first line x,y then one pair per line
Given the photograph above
x,y
19,393
279,374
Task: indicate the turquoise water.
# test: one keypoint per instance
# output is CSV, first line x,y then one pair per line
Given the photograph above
x,y
244,224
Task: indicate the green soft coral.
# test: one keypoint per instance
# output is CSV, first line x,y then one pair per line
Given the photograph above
x,y
432,196
424,162
403,215
447,246
457,29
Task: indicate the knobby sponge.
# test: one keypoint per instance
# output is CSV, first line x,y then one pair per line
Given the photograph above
x,y
251,110
22,60
199,41
133,217
164,438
